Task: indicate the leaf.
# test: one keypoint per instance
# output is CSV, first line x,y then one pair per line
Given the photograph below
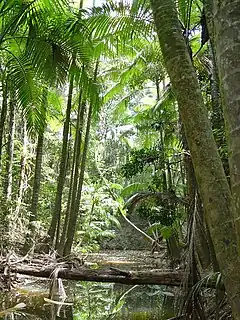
x,y
155,227
115,221
166,232
116,186
133,188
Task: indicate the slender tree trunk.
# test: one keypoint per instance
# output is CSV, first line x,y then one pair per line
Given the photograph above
x,y
76,164
3,115
227,41
38,164
74,212
66,219
37,177
164,176
211,179
63,165
30,237
10,150
23,162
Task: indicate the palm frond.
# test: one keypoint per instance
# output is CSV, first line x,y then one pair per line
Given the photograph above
x,y
123,21
133,188
139,197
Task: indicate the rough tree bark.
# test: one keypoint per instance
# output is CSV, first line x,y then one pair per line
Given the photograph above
x,y
226,15
211,179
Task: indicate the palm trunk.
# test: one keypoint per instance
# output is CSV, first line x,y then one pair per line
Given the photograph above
x,y
73,214
30,238
63,165
60,246
164,176
75,166
210,176
10,150
37,177
3,115
22,169
38,164
227,41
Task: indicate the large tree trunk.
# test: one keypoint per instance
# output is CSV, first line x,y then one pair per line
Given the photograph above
x,y
227,41
63,165
211,179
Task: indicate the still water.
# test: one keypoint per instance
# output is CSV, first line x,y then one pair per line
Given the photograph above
x,y
90,301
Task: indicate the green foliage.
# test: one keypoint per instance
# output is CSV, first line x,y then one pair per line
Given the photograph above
x,y
138,159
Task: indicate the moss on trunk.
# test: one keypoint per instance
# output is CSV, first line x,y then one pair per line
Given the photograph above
x,y
211,179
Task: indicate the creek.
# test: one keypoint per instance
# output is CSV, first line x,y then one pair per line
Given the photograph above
x,y
89,300
92,300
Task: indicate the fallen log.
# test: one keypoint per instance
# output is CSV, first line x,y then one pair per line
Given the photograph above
x,y
169,278
156,276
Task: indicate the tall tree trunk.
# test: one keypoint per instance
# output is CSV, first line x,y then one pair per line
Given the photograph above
x,y
60,246
63,165
3,115
73,214
75,166
210,176
30,237
10,150
227,41
38,164
74,211
23,162
217,102
37,177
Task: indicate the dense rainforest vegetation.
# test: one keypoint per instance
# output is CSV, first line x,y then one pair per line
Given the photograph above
x,y
114,109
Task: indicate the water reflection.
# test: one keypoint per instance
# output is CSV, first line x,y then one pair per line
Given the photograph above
x,y
100,301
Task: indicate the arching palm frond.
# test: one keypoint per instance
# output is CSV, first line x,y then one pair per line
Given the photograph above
x,y
133,188
15,13
123,22
139,197
27,93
